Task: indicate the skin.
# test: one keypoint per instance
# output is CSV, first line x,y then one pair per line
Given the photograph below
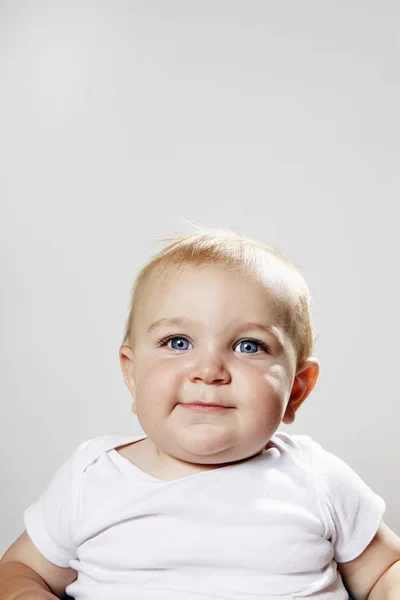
x,y
207,361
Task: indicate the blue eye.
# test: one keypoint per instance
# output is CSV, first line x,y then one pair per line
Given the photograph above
x,y
178,343
249,347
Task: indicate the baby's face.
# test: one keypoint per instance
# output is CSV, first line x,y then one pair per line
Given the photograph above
x,y
207,335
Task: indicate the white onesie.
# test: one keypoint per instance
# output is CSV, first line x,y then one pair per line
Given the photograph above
x,y
271,527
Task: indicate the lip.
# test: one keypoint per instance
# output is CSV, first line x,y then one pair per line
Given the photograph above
x,y
202,406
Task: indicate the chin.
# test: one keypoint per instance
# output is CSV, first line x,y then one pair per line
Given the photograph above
x,y
205,446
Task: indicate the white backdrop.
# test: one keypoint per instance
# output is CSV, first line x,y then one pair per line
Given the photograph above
x,y
121,118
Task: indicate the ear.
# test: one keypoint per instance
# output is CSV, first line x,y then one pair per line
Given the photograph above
x,y
127,367
304,381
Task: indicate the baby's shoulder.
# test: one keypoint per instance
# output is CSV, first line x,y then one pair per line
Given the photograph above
x,y
300,449
297,443
309,455
89,451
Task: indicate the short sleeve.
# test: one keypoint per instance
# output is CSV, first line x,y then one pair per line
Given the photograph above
x,y
49,521
353,511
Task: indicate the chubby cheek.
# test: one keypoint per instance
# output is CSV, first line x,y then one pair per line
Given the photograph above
x,y
156,383
268,391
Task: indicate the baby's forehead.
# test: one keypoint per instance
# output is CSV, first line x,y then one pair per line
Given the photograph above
x,y
276,281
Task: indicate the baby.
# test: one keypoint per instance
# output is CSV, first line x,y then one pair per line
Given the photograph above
x,y
210,503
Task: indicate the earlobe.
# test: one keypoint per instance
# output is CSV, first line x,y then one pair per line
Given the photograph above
x,y
304,382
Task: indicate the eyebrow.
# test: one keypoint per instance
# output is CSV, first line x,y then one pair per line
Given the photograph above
x,y
173,321
182,322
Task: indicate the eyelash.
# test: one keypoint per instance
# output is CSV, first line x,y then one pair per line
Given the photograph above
x,y
164,342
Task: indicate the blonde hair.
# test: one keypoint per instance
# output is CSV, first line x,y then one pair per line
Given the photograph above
x,y
243,255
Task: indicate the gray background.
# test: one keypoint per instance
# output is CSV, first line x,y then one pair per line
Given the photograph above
x,y
121,119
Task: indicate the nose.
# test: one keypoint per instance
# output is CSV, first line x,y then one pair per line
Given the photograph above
x,y
211,370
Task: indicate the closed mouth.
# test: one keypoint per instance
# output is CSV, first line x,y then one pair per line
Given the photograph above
x,y
205,406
